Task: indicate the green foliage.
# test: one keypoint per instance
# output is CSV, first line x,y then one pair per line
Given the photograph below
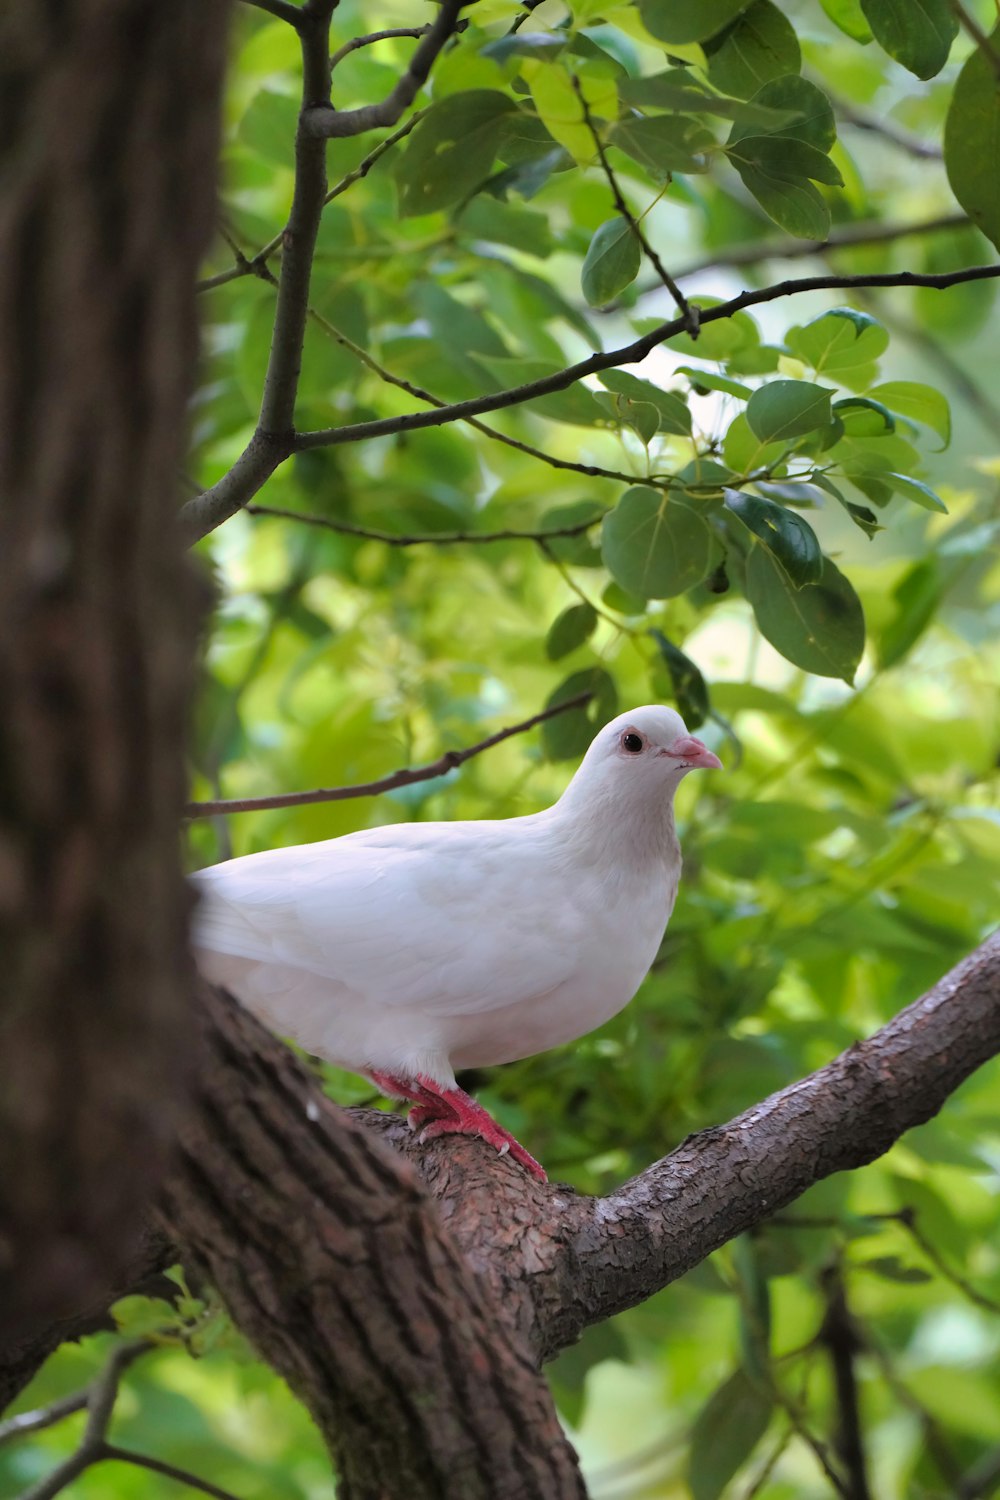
x,y
763,524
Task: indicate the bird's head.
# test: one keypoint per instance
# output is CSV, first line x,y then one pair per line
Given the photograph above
x,y
640,758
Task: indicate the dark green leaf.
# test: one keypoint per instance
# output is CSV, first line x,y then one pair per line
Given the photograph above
x,y
859,416
567,735
611,263
761,44
451,151
785,409
569,630
705,380
657,545
820,627
683,21
917,33
524,44
726,1431
269,125
673,411
798,207
663,144
690,690
578,550
804,112
972,141
783,157
786,535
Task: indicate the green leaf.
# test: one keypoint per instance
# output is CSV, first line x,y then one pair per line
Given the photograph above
x,y
848,16
972,141
674,415
569,630
838,340
891,1268
915,490
663,144
819,627
690,691
578,550
917,596
567,735
451,151
786,535
676,91
744,452
797,207
917,33
705,380
922,403
656,545
611,263
860,416
761,44
504,224
268,127
683,21
785,409
784,157
804,110
726,1431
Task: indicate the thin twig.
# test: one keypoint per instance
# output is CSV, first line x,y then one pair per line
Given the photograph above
x,y
688,313
863,119
42,1417
169,1471
280,8
446,762
375,36
420,538
978,35
908,1218
840,1338
325,123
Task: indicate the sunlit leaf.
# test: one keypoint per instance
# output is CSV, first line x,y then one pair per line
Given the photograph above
x,y
922,403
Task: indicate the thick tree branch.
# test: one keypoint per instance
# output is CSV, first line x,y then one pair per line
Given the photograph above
x,y
325,123
440,767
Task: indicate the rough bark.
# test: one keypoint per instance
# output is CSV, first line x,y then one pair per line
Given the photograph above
x,y
108,118
331,1258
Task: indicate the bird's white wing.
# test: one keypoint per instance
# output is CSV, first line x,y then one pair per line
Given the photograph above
x,y
455,918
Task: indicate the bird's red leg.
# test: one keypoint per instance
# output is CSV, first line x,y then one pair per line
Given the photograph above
x,y
456,1113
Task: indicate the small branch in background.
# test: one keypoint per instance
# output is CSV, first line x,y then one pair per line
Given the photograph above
x,y
44,1416
280,8
978,35
688,313
377,36
325,123
908,1218
934,1439
980,1483
839,1337
863,119
422,538
446,762
169,1471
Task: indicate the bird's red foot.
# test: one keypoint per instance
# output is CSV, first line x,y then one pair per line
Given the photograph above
x,y
438,1111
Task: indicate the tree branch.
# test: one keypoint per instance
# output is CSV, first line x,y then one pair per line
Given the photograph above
x,y
280,8
629,353
421,538
376,36
440,767
325,123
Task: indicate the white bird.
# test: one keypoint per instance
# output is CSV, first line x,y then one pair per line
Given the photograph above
x,y
403,953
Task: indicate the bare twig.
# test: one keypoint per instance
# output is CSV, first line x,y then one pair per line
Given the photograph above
x,y
42,1417
689,314
863,119
908,1218
840,1337
375,36
323,122
978,35
280,8
444,763
169,1471
631,353
421,538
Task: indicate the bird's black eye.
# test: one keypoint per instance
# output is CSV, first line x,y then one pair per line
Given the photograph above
x,y
633,743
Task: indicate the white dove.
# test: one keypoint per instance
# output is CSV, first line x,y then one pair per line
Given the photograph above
x,y
403,953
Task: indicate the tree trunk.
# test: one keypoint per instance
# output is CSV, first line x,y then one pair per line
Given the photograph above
x,y
108,118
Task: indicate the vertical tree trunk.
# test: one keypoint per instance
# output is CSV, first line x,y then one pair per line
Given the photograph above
x,y
108,125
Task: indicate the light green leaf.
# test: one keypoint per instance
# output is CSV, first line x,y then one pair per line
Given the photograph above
x,y
922,403
705,380
683,21
727,1430
672,408
451,151
848,16
917,596
819,627
663,144
743,451
860,416
611,263
569,630
760,45
785,409
269,126
657,545
838,340
917,33
915,490
786,535
972,141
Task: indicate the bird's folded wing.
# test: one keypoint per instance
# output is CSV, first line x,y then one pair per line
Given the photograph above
x,y
462,925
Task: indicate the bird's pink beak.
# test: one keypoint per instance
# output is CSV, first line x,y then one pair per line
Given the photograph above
x,y
692,752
